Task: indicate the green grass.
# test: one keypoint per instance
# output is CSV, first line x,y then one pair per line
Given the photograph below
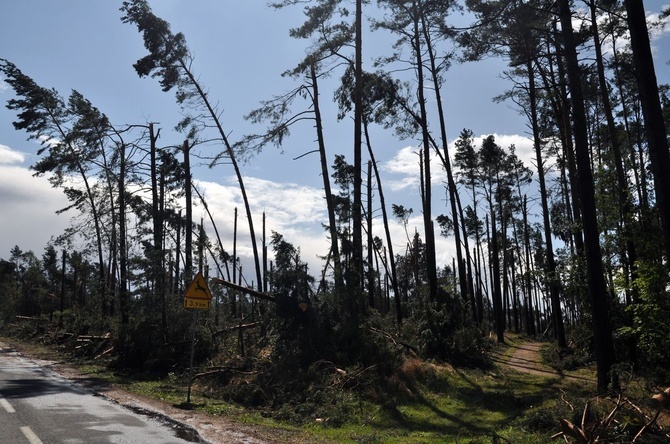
x,y
454,407
463,406
427,404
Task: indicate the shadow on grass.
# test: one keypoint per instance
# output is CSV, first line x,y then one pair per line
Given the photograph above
x,y
189,405
474,409
447,424
468,404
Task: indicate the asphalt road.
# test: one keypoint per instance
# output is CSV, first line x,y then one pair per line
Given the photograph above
x,y
37,406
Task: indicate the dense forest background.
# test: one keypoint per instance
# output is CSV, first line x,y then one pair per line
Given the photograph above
x,y
591,273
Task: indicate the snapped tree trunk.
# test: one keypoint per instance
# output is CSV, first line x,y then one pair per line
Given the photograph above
x,y
332,220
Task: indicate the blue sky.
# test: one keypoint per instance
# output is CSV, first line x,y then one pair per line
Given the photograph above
x,y
241,48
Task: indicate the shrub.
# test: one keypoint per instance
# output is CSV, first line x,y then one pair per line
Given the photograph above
x,y
441,331
650,327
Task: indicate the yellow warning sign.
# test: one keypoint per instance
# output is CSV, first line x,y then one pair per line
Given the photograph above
x,y
198,289
197,304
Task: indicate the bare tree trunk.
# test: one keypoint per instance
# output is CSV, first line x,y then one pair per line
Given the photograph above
x,y
654,123
354,280
482,286
562,116
265,258
515,298
332,220
124,297
479,287
431,267
639,171
530,320
201,246
62,291
371,273
505,265
233,295
465,289
188,238
157,254
382,202
628,255
177,281
216,230
601,324
497,296
554,284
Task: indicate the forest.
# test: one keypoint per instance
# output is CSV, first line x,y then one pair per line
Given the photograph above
x,y
589,275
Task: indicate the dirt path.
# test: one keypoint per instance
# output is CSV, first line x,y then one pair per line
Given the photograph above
x,y
526,358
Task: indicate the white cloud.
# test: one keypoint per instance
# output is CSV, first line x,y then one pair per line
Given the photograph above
x,y
405,161
8,156
658,29
404,166
28,219
524,146
285,204
663,28
295,211
403,170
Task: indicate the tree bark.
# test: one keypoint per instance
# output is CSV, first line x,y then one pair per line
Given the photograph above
x,y
654,124
530,320
602,330
451,184
499,316
355,278
371,270
431,268
332,220
188,233
157,219
387,231
124,297
554,284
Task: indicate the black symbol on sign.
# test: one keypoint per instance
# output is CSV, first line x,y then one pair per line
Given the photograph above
x,y
199,287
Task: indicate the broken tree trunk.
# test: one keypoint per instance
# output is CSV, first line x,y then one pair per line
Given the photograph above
x,y
251,292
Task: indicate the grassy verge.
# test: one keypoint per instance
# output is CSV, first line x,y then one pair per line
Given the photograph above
x,y
423,403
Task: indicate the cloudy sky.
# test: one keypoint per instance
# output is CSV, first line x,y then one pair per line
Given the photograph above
x,y
241,48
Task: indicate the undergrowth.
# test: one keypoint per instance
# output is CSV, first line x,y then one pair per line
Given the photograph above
x,y
393,396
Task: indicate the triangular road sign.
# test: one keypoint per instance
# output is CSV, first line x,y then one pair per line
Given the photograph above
x,y
198,289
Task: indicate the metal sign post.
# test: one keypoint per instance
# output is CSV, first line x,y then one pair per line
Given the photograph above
x,y
197,297
194,316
